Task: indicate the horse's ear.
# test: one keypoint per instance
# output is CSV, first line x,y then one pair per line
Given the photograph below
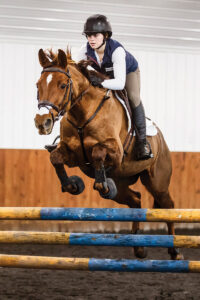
x,y
62,59
44,61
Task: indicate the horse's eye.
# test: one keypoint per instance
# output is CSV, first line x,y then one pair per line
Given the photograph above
x,y
63,86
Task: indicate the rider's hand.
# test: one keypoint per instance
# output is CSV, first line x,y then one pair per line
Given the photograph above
x,y
96,81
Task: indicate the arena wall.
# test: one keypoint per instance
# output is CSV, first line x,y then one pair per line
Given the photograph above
x,y
28,179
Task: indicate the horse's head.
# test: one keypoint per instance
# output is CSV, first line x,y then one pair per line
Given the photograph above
x,y
59,85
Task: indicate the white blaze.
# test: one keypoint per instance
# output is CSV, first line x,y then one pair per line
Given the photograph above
x,y
49,78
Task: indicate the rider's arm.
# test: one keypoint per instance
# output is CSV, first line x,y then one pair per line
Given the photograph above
x,y
119,68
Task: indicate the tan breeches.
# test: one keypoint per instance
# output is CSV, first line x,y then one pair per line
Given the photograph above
x,y
133,87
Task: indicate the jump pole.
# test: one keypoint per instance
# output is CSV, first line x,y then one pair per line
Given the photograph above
x,y
101,214
92,264
90,239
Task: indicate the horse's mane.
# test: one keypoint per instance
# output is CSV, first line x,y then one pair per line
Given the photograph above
x,y
82,66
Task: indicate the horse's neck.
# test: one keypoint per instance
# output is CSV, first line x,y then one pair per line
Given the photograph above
x,y
86,106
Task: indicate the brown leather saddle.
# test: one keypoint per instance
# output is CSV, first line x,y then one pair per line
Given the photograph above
x,y
123,95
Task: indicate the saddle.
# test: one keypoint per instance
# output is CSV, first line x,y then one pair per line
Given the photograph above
x,y
122,94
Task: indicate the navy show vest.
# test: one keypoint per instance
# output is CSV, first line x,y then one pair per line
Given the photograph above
x,y
107,64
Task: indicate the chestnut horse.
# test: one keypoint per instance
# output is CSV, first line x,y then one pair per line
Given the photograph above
x,y
92,135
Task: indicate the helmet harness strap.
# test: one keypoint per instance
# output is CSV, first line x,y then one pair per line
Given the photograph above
x,y
104,40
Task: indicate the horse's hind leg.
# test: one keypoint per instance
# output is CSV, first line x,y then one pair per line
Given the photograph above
x,y
164,200
131,198
158,187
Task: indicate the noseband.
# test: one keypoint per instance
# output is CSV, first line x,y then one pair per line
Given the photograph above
x,y
47,104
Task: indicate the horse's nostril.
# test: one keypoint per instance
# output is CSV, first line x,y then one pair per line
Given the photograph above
x,y
47,123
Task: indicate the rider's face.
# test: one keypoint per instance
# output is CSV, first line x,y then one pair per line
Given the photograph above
x,y
95,40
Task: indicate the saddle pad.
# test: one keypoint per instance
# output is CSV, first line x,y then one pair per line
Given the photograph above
x,y
151,129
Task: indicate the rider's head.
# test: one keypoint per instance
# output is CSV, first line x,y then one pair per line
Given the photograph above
x,y
97,29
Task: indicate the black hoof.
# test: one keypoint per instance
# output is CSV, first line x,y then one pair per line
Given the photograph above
x,y
77,184
112,190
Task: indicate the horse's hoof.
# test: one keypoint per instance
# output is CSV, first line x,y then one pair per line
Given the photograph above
x,y
175,254
140,252
75,185
180,256
112,193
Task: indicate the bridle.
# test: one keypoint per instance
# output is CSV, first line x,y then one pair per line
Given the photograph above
x,y
47,104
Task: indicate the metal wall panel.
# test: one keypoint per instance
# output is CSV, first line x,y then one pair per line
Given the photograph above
x,y
165,23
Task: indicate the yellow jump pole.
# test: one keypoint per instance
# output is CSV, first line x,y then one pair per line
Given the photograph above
x,y
92,239
93,264
100,214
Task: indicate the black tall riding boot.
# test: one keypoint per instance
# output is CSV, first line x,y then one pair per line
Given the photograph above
x,y
143,148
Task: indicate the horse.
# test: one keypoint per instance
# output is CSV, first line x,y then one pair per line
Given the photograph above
x,y
93,134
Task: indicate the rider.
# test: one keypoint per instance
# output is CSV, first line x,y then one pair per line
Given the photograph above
x,y
109,57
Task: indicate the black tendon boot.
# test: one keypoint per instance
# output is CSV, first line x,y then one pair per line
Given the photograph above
x,y
143,148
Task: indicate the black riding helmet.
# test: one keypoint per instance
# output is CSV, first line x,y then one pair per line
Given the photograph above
x,y
97,24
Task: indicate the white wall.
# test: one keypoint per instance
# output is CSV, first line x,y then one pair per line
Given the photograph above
x,y
164,36
170,93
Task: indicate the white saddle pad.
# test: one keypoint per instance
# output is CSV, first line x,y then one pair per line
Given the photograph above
x,y
151,129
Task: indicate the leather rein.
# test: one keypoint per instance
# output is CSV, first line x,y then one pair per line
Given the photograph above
x,y
61,111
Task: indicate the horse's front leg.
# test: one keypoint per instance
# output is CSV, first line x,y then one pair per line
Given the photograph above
x,y
98,157
58,157
104,185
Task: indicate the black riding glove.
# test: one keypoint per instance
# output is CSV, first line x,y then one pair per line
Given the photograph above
x,y
96,81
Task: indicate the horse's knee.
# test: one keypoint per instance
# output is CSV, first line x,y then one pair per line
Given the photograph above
x,y
98,155
56,157
109,151
127,196
163,200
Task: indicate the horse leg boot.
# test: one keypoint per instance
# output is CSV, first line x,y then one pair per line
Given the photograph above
x,y
73,184
104,185
143,148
